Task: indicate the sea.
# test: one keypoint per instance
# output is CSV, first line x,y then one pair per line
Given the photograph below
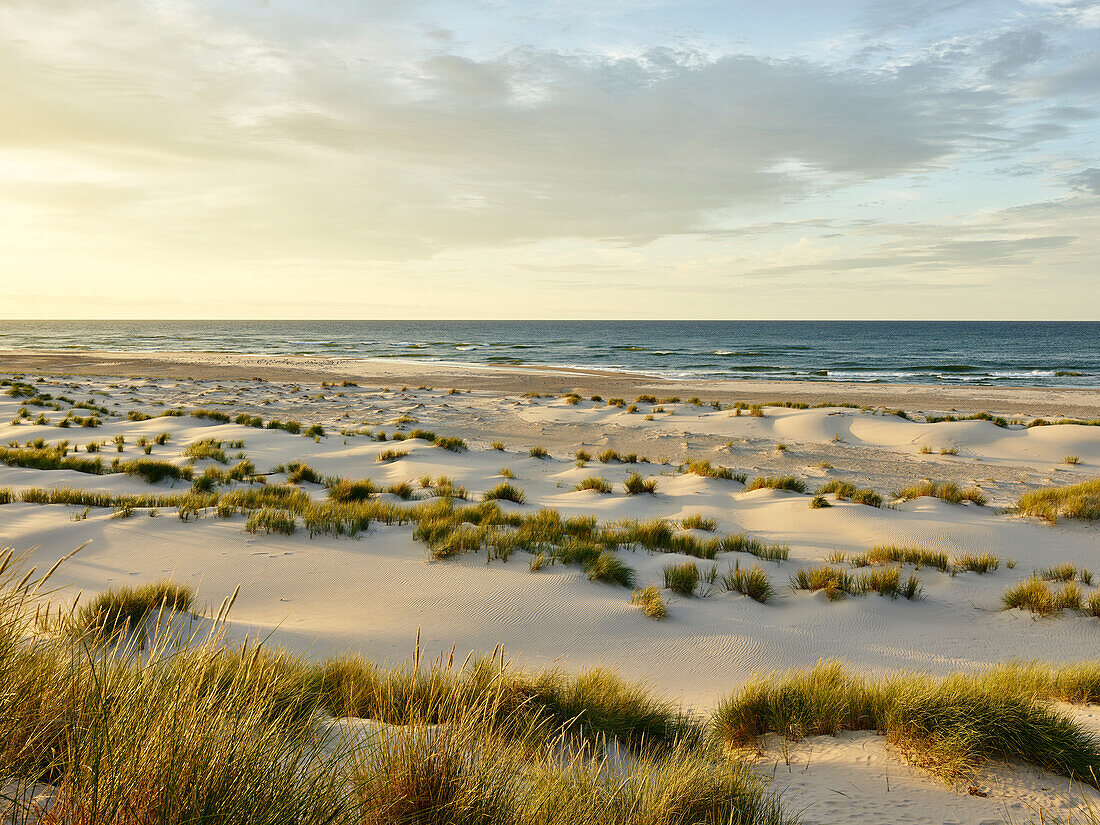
x,y
1022,353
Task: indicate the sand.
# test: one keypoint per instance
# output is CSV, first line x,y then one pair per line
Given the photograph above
x,y
374,594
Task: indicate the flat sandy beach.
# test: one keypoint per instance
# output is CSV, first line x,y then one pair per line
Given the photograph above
x,y
373,593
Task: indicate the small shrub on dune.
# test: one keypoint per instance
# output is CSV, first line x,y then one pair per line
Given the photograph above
x,y
635,483
681,578
607,456
1072,459
497,445
788,483
819,503
595,483
119,609
1074,501
538,452
582,456
752,582
504,492
650,601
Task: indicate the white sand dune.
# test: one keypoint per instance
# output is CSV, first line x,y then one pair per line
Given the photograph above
x,y
374,594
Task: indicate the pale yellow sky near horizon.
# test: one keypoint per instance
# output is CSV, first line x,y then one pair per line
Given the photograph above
x,y
239,159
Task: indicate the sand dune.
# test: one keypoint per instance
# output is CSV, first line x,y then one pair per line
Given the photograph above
x,y
375,593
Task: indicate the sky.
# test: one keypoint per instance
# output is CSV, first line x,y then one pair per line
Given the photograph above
x,y
927,159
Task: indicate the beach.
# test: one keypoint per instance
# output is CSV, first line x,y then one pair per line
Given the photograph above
x,y
381,591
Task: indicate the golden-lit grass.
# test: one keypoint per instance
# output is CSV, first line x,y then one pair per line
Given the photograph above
x,y
1073,501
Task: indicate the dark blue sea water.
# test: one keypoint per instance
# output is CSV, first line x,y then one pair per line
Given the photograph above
x,y
928,352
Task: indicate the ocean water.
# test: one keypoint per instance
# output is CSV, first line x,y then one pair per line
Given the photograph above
x,y
1055,354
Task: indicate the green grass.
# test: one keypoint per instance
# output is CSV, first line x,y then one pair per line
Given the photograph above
x,y
752,582
600,485
207,448
345,491
650,601
635,483
270,520
697,521
944,490
890,553
681,578
392,455
538,452
1066,572
977,562
608,568
119,609
846,491
1075,501
838,583
154,471
948,726
1036,595
819,503
788,483
704,468
504,492
744,543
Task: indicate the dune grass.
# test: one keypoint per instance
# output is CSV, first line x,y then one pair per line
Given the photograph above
x,y
704,468
788,483
650,601
944,490
538,452
1074,501
119,609
207,448
345,491
838,583
752,582
697,521
270,520
504,492
846,491
216,733
596,483
635,483
948,726
890,553
1036,595
681,578
1066,572
391,455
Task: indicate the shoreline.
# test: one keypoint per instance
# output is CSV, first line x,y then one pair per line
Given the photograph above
x,y
1007,400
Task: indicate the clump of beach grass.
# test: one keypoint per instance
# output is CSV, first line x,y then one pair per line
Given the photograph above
x,y
846,491
681,578
538,452
946,491
650,601
703,468
948,726
392,455
837,583
819,503
697,521
1074,501
788,483
977,562
504,492
895,554
752,582
271,520
117,610
596,483
348,490
635,483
